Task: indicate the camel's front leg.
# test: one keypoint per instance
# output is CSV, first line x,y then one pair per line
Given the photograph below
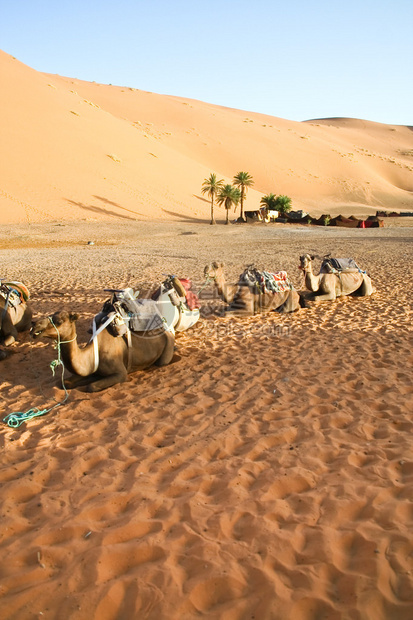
x,y
326,297
105,382
10,339
76,381
366,287
291,304
168,351
9,331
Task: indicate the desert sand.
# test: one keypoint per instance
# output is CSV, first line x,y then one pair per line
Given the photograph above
x,y
267,473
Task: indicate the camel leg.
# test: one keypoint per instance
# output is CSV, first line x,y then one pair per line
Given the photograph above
x,y
168,351
242,306
91,382
291,304
76,381
26,321
10,339
330,296
366,287
105,382
9,332
326,297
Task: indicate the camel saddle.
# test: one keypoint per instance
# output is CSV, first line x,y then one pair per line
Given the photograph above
x,y
136,315
15,293
179,290
277,282
338,265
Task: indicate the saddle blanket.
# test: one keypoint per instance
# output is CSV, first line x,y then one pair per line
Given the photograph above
x,y
15,292
192,300
278,282
142,314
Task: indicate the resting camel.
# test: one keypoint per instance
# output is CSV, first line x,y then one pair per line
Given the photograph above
x,y
330,285
244,299
15,311
108,363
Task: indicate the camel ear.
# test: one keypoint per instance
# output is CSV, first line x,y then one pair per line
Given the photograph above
x,y
73,316
215,264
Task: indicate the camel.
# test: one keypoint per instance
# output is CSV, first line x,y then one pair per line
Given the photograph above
x,y
246,298
330,284
106,360
15,311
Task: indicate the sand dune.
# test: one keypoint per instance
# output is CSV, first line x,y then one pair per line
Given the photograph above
x,y
79,150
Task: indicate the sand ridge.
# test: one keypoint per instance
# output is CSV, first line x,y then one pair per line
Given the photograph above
x,y
266,474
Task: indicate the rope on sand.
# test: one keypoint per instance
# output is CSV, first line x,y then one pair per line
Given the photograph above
x,y
14,420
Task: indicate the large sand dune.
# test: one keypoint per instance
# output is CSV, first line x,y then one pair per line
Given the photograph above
x,y
80,150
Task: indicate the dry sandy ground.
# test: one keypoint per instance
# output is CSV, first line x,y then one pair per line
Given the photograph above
x,y
267,474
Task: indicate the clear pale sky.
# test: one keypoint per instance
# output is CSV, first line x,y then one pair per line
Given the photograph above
x,y
295,59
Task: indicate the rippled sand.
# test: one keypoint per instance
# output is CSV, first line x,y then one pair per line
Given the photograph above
x,y
267,474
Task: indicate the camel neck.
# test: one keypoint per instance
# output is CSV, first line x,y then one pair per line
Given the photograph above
x,y
77,360
311,280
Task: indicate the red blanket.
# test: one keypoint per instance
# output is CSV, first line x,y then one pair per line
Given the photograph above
x,y
192,300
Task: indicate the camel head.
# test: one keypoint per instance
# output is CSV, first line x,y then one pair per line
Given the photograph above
x,y
58,325
305,262
213,269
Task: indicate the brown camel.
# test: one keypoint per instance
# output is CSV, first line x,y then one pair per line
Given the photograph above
x,y
249,298
331,284
108,362
15,311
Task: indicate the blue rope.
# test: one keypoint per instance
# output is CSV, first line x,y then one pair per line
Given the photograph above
x,y
14,420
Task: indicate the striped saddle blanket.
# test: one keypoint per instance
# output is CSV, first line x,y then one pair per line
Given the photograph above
x,y
277,282
14,292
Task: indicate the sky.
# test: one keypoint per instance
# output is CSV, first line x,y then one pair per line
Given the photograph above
x,y
295,59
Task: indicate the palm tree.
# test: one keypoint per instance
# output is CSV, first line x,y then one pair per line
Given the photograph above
x,y
243,180
211,187
283,204
228,196
269,201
